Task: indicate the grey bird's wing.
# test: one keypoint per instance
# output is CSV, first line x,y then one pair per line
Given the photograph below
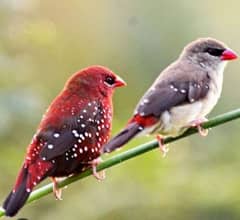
x,y
168,91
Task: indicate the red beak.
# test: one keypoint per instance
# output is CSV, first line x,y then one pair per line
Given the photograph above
x,y
119,82
229,55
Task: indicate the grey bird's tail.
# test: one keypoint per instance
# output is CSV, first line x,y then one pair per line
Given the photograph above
x,y
17,197
123,137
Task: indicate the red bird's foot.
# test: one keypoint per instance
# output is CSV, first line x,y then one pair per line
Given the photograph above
x,y
162,146
98,175
198,124
57,192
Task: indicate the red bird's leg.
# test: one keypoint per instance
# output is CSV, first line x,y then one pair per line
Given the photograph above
x,y
162,146
57,192
198,124
98,175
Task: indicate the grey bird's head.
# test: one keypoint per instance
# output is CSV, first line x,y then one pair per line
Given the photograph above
x,y
208,53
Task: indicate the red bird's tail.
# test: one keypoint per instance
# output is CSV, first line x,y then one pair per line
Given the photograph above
x,y
28,177
123,137
17,197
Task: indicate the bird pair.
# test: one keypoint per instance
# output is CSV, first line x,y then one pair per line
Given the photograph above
x,y
76,127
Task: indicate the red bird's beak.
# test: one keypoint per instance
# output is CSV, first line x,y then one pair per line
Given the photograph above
x,y
229,55
119,82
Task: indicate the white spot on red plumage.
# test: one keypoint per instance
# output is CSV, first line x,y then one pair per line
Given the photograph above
x,y
89,135
81,116
86,134
97,134
75,133
83,125
75,145
92,150
73,149
44,158
28,190
89,104
98,144
96,149
79,141
103,126
38,177
82,137
34,183
86,148
78,120
50,146
75,155
99,128
84,111
80,150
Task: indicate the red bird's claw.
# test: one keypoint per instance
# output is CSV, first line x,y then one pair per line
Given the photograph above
x,y
56,191
198,124
98,175
162,146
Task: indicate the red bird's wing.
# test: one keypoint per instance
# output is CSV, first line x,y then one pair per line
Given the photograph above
x,y
164,96
72,131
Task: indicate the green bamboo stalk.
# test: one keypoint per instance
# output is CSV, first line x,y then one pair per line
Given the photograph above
x,y
129,154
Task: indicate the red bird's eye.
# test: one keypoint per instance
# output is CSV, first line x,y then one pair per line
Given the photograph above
x,y
110,80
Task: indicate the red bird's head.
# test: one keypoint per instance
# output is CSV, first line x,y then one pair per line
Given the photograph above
x,y
94,79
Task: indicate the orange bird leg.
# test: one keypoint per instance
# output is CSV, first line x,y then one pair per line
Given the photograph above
x,y
57,192
98,175
198,124
162,146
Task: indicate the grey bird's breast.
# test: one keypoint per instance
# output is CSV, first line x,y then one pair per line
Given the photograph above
x,y
177,119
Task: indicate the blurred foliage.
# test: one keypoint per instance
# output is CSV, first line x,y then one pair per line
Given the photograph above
x,y
43,42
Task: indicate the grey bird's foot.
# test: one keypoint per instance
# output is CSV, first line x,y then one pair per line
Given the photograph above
x,y
162,146
198,124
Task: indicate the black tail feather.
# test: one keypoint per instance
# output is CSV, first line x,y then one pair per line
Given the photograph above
x,y
16,199
123,137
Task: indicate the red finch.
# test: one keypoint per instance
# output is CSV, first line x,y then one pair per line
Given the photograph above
x,y
71,134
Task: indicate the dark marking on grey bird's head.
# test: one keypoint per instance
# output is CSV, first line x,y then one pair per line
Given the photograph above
x,y
205,52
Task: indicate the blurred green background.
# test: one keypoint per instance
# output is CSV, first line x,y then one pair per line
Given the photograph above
x,y
43,42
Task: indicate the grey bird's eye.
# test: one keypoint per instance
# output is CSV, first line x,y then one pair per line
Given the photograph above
x,y
216,52
110,80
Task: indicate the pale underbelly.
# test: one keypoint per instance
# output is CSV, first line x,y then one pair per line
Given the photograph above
x,y
178,119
